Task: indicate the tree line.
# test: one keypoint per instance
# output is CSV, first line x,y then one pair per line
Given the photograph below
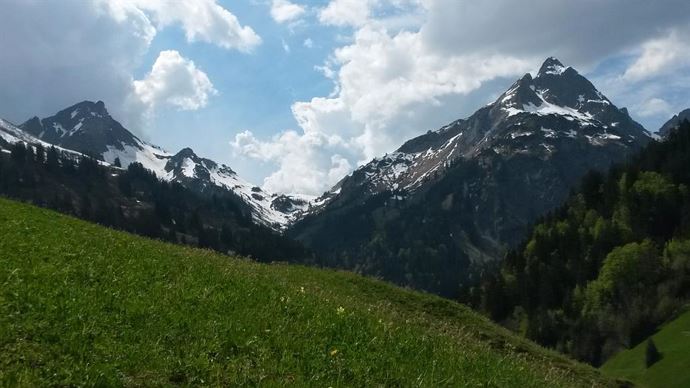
x,y
135,200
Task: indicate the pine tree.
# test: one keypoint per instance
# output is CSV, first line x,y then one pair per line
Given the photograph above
x,y
40,154
52,159
117,163
18,153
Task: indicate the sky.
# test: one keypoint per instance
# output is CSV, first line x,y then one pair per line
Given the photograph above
x,y
295,94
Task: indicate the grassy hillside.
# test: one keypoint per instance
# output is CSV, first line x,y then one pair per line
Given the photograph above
x,y
82,304
673,341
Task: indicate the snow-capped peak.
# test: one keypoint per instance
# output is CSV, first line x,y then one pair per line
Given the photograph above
x,y
88,128
552,66
538,116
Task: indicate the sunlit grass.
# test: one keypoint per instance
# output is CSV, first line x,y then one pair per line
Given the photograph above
x,y
85,305
673,341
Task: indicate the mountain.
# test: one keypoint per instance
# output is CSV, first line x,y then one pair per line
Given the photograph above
x,y
88,128
462,194
136,200
674,122
97,307
11,134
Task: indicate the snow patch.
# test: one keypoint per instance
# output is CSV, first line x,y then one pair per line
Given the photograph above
x,y
549,133
188,167
152,158
555,69
59,129
76,127
546,108
516,135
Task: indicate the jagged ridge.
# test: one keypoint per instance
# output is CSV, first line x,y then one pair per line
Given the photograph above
x,y
87,128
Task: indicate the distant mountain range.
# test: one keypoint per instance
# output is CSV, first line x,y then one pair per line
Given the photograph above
x,y
88,128
463,193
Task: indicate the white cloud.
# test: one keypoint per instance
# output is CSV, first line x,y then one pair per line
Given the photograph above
x,y
654,107
286,47
395,80
393,15
283,11
56,53
296,153
174,81
388,88
659,55
346,12
654,84
308,43
201,20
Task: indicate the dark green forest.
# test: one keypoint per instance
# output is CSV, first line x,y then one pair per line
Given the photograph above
x,y
603,271
135,200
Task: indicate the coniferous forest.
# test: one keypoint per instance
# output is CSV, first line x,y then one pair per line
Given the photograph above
x,y
603,271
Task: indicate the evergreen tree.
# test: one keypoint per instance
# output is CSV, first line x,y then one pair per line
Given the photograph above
x,y
52,163
18,153
40,154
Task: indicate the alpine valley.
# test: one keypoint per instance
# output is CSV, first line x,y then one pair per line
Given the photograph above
x,y
424,216
549,210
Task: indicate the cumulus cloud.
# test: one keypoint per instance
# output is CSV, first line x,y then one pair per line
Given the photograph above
x,y
346,12
396,80
387,88
174,81
57,53
654,106
357,13
297,153
283,11
201,20
659,55
654,80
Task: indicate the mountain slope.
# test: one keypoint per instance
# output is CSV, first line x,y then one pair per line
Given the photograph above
x,y
11,134
135,200
598,275
674,122
469,189
86,305
88,128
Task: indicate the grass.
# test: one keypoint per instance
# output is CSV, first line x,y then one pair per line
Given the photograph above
x,y
84,305
673,341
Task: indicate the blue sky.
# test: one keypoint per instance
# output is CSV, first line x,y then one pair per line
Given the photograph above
x,y
256,90
235,81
